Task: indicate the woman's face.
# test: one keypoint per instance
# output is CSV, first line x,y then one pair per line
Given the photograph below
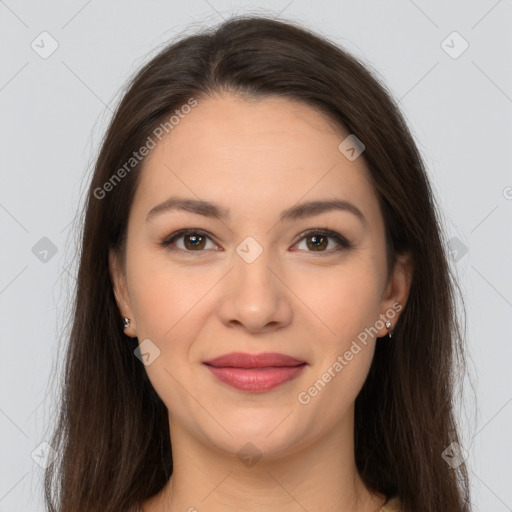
x,y
250,281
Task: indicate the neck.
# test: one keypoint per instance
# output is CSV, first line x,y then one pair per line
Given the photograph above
x,y
319,476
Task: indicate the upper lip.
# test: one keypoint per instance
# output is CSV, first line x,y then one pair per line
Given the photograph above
x,y
245,360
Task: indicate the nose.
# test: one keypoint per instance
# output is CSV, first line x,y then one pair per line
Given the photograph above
x,y
255,297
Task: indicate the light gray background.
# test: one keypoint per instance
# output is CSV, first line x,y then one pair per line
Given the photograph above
x,y
54,112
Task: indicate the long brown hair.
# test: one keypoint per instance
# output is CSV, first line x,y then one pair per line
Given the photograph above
x,y
112,434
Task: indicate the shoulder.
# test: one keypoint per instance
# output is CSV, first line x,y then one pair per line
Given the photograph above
x,y
392,505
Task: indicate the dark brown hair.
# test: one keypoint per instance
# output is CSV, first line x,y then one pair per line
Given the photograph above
x,y
112,434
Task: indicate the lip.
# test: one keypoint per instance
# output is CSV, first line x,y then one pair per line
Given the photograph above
x,y
255,372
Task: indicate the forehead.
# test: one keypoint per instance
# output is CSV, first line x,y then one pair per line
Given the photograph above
x,y
253,156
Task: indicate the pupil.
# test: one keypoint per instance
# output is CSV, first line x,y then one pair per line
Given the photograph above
x,y
316,240
194,240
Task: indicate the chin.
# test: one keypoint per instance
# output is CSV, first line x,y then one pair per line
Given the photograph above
x,y
268,437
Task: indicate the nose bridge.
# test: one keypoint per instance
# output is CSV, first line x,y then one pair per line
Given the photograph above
x,y
255,297
251,271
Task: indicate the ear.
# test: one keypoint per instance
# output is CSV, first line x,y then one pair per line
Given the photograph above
x,y
397,291
121,291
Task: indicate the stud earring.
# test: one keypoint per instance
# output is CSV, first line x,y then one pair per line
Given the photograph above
x,y
126,322
388,325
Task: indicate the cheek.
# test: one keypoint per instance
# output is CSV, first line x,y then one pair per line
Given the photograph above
x,y
164,296
332,394
343,300
345,306
166,306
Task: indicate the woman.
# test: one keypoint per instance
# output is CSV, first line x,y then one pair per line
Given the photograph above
x,y
264,315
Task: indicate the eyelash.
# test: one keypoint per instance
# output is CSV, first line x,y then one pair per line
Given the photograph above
x,y
343,243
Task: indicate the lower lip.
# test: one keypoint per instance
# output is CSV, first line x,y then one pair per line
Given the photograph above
x,y
256,379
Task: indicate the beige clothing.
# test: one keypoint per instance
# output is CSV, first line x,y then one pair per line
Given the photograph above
x,y
392,505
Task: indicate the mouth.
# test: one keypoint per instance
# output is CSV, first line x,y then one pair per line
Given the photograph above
x,y
255,372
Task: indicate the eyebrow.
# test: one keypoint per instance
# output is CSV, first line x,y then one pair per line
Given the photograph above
x,y
298,211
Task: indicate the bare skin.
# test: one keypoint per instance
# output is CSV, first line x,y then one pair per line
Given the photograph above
x,y
258,158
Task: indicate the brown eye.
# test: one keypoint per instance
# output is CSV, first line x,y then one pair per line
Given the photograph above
x,y
318,241
193,241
